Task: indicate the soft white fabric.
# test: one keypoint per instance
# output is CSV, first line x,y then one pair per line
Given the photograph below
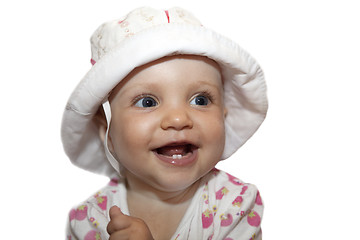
x,y
222,208
114,163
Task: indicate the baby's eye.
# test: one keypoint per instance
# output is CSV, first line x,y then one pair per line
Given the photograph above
x,y
200,100
146,102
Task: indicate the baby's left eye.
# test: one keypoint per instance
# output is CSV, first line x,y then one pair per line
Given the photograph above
x,y
200,100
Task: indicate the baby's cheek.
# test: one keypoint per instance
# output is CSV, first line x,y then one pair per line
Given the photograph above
x,y
218,127
216,135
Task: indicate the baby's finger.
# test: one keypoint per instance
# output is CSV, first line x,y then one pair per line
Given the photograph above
x,y
118,221
114,211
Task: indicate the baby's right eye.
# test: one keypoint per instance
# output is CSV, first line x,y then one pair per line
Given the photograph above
x,y
146,102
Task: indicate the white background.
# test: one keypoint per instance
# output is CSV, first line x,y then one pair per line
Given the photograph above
x,y
303,158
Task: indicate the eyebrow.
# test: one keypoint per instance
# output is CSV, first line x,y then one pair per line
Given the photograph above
x,y
202,83
195,84
150,85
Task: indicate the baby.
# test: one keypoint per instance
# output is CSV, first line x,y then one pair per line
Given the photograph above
x,y
165,101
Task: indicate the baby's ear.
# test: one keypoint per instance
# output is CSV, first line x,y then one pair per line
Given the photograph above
x,y
101,123
102,132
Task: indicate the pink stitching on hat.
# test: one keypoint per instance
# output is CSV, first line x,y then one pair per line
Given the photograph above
x,y
92,61
167,15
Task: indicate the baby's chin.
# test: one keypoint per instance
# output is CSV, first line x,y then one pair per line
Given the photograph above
x,y
178,182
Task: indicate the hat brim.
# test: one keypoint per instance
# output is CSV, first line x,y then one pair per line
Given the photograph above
x,y
244,86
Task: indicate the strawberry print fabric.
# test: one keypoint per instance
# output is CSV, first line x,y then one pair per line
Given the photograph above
x,y
223,208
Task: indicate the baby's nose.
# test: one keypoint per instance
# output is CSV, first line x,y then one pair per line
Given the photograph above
x,y
177,119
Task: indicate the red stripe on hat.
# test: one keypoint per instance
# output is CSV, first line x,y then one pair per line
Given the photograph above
x,y
167,15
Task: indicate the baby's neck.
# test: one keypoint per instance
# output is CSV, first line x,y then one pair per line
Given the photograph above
x,y
139,190
159,208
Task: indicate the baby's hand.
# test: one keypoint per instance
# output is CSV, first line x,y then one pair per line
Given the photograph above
x,y
122,226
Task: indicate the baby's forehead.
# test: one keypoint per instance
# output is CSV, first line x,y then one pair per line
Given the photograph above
x,y
201,69
177,59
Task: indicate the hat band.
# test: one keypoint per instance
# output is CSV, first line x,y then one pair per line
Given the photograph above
x,y
114,163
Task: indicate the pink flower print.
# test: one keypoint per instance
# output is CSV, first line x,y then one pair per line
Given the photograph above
x,y
237,202
92,235
226,220
124,23
253,237
114,182
234,180
206,187
253,219
206,198
258,200
207,218
79,214
214,208
72,214
221,193
215,171
243,190
102,202
94,222
167,15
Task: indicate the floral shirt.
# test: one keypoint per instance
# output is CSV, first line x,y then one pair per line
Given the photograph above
x,y
223,208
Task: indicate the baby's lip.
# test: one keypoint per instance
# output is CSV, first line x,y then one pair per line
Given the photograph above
x,y
172,148
176,149
177,153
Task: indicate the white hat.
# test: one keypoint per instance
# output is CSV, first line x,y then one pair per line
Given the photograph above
x,y
143,36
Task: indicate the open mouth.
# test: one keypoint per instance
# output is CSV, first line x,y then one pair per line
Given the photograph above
x,y
178,154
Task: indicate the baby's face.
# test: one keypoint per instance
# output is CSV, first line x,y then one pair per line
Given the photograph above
x,y
167,127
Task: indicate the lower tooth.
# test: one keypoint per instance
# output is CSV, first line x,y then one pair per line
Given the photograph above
x,y
175,156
